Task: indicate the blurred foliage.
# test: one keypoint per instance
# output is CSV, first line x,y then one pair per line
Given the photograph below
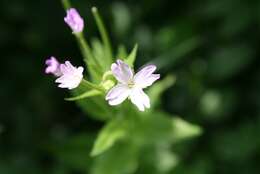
x,y
210,46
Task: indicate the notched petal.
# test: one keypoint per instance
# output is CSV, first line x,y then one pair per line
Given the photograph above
x,y
145,76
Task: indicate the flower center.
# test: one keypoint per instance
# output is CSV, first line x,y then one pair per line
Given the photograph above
x,y
130,84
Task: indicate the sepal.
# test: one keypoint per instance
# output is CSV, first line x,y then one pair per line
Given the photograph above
x,y
130,60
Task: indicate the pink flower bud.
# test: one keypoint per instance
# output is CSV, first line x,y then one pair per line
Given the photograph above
x,y
74,20
53,67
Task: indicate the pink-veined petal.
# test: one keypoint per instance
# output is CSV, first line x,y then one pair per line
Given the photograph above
x,y
117,94
140,99
64,69
146,71
122,72
69,65
145,76
148,81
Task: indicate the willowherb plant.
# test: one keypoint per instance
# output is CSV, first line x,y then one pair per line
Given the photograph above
x,y
131,127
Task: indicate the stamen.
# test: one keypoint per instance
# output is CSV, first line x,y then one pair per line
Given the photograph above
x,y
130,84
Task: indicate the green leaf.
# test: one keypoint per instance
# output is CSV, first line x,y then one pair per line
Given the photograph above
x,y
100,54
160,127
95,75
130,60
112,132
85,95
153,128
96,107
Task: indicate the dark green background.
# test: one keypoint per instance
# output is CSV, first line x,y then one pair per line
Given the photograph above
x,y
211,46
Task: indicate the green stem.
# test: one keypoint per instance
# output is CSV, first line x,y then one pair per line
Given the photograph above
x,y
85,48
94,67
103,32
66,4
90,85
106,75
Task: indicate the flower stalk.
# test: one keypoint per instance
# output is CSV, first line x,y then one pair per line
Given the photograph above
x,y
86,51
66,4
90,85
103,33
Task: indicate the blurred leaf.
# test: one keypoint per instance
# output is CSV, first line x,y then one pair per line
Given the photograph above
x,y
167,160
121,52
200,165
121,158
166,38
94,72
112,132
239,143
152,129
96,107
160,127
143,36
217,105
100,54
228,61
122,18
232,26
158,88
183,130
73,152
210,102
177,53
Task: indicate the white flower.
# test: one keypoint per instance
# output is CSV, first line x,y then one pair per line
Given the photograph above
x,y
131,86
71,76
